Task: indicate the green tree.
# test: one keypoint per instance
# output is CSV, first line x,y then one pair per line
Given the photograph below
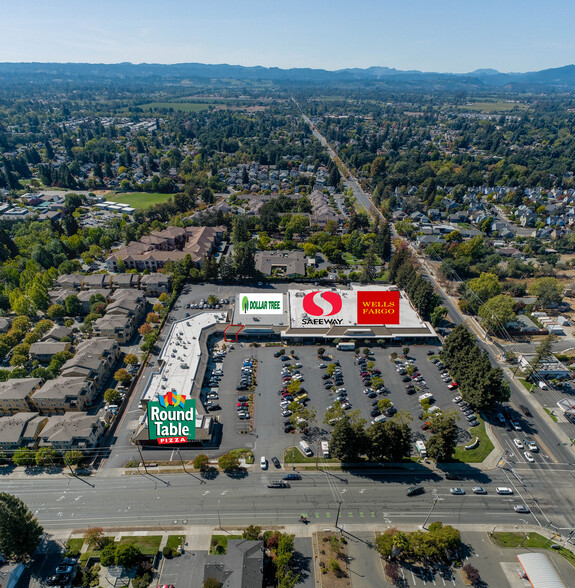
x,y
384,543
212,583
543,351
202,462
390,440
56,311
348,440
229,462
497,312
108,555
127,555
23,456
439,313
442,442
20,532
73,305
332,415
549,292
45,456
74,457
130,359
113,396
123,376
252,533
302,416
481,289
368,267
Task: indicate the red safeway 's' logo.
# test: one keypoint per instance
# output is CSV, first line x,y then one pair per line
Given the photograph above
x,y
332,298
378,308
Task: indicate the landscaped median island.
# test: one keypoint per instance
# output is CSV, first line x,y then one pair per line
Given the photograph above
x,y
330,559
531,541
479,453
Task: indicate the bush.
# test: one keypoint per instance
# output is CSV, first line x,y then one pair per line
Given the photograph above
x,y
108,555
252,533
335,567
142,581
392,570
167,551
471,573
212,583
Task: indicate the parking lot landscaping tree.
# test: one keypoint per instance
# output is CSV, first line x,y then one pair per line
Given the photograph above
x,y
123,376
390,440
127,555
334,414
441,444
348,440
130,359
320,352
229,462
302,417
20,532
112,396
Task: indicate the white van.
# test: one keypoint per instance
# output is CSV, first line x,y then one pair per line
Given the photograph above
x,y
420,446
305,449
433,410
425,396
542,385
325,449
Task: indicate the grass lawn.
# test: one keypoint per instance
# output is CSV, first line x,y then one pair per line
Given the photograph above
x,y
87,555
219,543
497,106
550,413
528,385
535,541
74,544
294,455
175,540
148,545
478,454
139,199
244,452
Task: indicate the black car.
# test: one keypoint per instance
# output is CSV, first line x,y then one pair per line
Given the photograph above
x,y
276,462
213,406
375,412
325,376
292,477
406,379
278,354
242,387
289,428
243,398
415,490
278,484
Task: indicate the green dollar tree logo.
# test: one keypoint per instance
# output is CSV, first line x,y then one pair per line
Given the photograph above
x,y
245,304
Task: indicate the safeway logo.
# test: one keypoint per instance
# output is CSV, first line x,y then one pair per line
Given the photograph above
x,y
332,299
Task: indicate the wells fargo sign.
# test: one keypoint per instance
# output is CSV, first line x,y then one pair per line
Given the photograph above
x,y
377,308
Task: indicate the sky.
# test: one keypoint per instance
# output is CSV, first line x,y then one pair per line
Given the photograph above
x,y
428,35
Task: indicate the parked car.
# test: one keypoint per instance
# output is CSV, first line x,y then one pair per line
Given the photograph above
x,y
276,461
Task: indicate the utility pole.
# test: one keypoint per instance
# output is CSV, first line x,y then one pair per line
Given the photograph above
x,y
219,519
337,517
142,457
429,513
182,460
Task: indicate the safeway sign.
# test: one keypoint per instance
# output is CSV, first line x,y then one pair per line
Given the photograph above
x,y
172,419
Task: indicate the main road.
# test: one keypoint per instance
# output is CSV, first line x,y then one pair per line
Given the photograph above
x,y
375,496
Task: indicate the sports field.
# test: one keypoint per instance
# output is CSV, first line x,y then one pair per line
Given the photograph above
x,y
139,199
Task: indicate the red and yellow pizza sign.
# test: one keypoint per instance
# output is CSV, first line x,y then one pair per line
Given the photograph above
x,y
377,308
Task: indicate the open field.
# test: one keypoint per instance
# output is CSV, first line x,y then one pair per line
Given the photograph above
x,y
496,106
177,106
139,199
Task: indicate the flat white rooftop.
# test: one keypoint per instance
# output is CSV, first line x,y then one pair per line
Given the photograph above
x,y
181,356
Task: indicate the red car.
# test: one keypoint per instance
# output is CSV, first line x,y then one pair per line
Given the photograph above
x,y
452,386
425,425
242,404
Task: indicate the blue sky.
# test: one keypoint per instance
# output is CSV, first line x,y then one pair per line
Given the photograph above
x,y
429,35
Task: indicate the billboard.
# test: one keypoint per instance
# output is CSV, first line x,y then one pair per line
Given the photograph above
x,y
172,419
377,307
261,303
345,308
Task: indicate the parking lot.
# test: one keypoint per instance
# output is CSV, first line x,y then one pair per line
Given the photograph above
x,y
269,438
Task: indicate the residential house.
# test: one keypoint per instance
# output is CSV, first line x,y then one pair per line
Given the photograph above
x,y
64,394
5,324
126,281
94,360
241,567
281,263
43,351
155,284
15,395
72,430
130,303
527,218
20,430
57,333
10,573
97,282
434,214
118,327
511,252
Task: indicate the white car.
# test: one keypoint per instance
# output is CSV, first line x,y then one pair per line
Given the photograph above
x,y
263,463
518,444
532,446
528,456
503,490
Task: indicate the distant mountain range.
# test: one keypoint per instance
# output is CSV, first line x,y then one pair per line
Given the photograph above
x,y
557,78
